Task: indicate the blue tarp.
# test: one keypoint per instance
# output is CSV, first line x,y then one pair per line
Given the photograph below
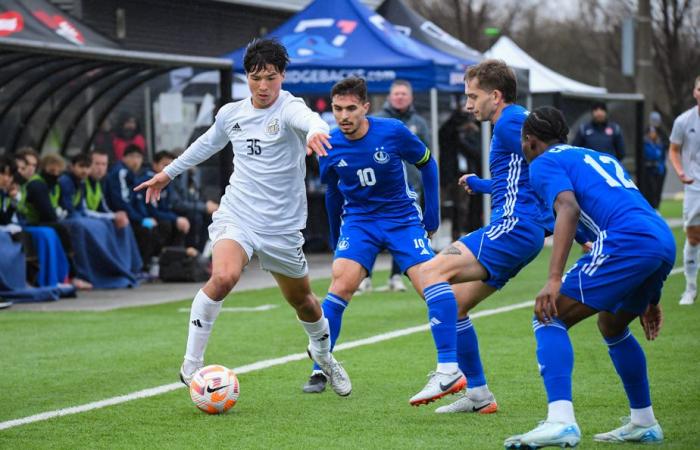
x,y
105,256
331,40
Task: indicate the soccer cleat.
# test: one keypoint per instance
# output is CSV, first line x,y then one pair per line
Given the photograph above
x,y
688,297
468,405
630,432
186,379
316,383
439,385
333,370
396,283
546,434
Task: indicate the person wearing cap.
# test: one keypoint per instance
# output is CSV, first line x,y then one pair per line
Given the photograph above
x,y
601,134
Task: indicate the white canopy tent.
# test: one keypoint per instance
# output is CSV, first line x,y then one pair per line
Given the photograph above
x,y
542,78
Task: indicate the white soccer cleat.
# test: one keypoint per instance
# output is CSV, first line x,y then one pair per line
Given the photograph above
x,y
439,385
630,432
547,434
468,405
185,377
334,371
396,283
688,297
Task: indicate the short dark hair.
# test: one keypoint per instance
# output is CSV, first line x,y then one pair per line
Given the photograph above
x,y
81,159
494,74
546,124
132,149
23,152
351,86
161,155
98,151
7,163
261,52
401,83
599,105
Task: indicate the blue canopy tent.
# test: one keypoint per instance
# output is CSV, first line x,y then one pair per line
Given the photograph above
x,y
329,41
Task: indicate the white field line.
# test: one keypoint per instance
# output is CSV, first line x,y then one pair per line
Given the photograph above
x,y
239,308
260,365
264,364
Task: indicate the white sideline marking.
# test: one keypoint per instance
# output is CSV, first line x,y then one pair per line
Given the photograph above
x,y
240,308
264,364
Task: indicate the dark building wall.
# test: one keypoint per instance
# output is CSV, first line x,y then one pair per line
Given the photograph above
x,y
194,27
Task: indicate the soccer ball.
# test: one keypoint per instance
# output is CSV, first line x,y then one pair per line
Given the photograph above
x,y
214,389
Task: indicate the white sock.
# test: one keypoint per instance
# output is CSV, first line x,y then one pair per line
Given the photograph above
x,y
319,335
202,316
561,411
643,417
448,367
690,266
479,392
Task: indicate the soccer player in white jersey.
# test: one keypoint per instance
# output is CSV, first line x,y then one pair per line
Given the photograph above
x,y
264,206
685,159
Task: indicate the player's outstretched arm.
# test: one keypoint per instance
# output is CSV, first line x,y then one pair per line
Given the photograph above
x,y
431,190
299,117
568,213
473,184
318,143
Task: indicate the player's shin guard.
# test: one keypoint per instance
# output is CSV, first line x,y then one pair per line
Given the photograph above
x,y
202,316
468,354
442,315
555,357
333,308
631,365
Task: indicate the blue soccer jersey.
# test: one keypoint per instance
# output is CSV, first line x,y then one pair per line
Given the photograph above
x,y
612,207
370,171
511,194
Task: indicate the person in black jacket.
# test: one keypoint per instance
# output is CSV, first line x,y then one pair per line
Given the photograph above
x,y
601,134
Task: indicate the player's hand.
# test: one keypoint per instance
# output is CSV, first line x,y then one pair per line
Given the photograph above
x,y
685,179
546,301
463,182
212,207
182,224
587,247
318,143
651,321
154,186
431,234
121,219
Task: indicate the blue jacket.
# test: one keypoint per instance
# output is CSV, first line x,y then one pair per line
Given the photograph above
x,y
603,137
120,195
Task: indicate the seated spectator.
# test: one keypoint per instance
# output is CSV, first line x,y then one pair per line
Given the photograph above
x,y
120,195
8,191
172,227
127,135
72,184
186,200
28,161
95,201
40,205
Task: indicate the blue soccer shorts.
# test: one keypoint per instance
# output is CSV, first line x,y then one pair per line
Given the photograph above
x,y
361,240
609,282
504,247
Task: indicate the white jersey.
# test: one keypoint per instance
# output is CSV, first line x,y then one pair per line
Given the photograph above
x,y
266,191
686,133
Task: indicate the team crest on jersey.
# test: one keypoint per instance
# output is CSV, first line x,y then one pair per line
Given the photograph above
x,y
273,127
343,244
380,156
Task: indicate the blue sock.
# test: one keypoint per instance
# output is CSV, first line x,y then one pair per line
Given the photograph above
x,y
468,353
442,314
333,308
555,357
631,365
